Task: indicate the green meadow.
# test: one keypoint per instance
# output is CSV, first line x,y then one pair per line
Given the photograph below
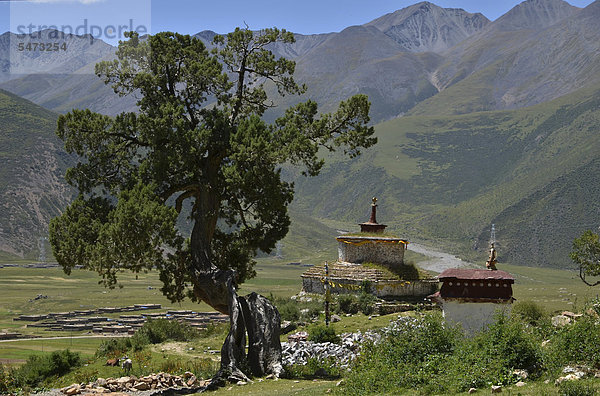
x,y
556,290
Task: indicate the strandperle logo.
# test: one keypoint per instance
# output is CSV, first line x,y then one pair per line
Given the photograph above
x,y
109,32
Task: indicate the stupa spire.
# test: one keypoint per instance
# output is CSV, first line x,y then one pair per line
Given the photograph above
x,y
372,225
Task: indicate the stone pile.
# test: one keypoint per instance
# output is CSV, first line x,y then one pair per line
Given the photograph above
x,y
132,383
575,373
299,352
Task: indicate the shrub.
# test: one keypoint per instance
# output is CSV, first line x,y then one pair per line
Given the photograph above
x,y
322,333
411,355
366,303
156,331
490,357
578,343
292,310
7,379
314,368
289,310
529,311
348,304
39,369
594,305
114,347
314,310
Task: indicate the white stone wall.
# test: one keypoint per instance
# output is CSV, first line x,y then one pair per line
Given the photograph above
x,y
472,316
386,251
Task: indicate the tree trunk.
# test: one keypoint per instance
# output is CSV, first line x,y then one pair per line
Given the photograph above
x,y
251,318
253,315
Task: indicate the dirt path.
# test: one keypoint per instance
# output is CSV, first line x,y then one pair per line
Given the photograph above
x,y
439,261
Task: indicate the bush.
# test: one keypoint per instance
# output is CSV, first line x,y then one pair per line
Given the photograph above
x,y
322,333
529,311
366,303
411,355
314,368
39,369
348,304
7,379
114,347
291,310
156,331
490,357
578,343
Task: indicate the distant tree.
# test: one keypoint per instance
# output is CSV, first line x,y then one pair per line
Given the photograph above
x,y
586,254
197,142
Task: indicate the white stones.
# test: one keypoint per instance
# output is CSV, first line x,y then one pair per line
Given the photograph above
x,y
496,389
129,384
73,389
522,374
560,320
344,353
573,374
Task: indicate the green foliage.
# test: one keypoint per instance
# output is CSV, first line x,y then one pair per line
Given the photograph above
x,y
198,141
348,304
314,368
322,333
529,311
38,370
578,343
586,255
292,309
156,331
490,356
423,353
114,347
366,302
7,379
352,304
289,311
411,356
593,305
577,388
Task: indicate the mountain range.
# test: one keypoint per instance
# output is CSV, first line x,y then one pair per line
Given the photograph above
x,y
481,122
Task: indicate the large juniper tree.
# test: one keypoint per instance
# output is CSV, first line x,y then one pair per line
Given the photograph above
x,y
197,146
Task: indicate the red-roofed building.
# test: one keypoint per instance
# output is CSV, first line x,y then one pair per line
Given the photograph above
x,y
472,297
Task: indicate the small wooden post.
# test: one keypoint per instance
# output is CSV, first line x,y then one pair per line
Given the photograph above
x,y
327,294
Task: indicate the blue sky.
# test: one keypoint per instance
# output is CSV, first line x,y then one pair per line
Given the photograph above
x,y
192,16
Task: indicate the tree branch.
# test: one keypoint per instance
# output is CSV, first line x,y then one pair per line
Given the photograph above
x,y
582,277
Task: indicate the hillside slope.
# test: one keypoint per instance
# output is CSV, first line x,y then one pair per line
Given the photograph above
x,y
449,178
538,51
32,187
